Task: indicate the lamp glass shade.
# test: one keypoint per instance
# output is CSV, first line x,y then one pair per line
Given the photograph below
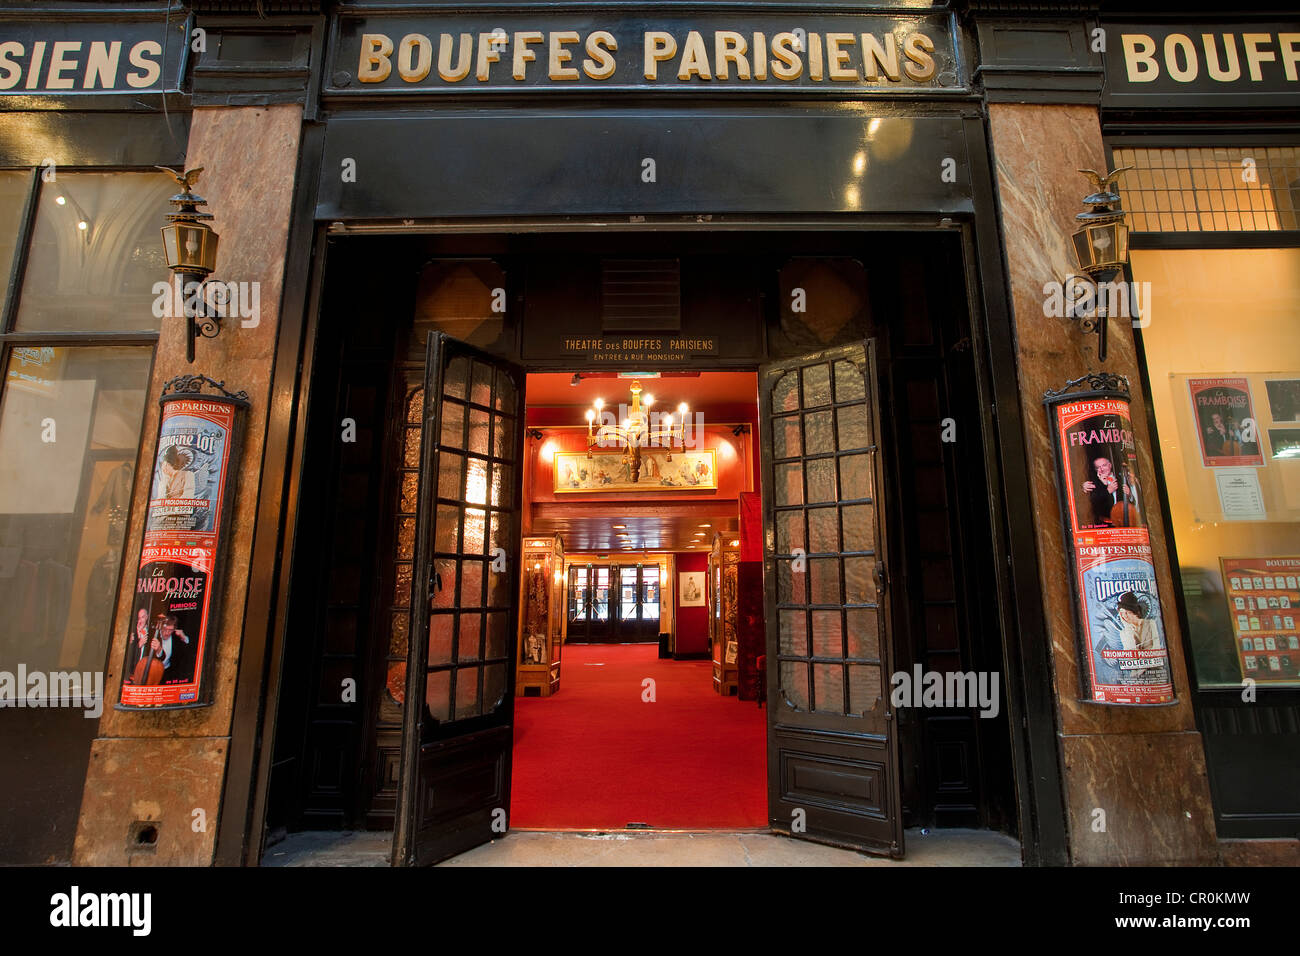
x,y
190,247
1101,247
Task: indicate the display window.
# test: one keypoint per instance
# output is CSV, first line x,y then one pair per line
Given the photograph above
x,y
1223,363
76,344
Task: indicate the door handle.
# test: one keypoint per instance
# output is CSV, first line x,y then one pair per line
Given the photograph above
x,y
882,577
435,585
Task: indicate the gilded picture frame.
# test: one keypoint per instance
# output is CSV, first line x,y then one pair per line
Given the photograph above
x,y
605,472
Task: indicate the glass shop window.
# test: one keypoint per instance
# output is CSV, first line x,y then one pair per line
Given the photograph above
x,y
71,404
1223,357
64,502
95,253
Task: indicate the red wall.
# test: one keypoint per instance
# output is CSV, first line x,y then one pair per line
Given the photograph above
x,y
692,622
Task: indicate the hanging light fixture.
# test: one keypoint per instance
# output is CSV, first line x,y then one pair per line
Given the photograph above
x,y
634,432
190,246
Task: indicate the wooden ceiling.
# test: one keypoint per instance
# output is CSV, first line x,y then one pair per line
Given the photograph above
x,y
650,527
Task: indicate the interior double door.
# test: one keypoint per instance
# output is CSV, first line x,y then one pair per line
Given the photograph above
x,y
832,742
613,604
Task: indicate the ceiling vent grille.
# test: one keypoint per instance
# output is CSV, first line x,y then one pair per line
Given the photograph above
x,y
641,295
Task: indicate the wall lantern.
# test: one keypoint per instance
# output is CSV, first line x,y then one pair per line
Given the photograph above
x,y
190,246
1101,248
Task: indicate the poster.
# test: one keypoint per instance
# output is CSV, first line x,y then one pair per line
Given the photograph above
x,y
1123,654
1225,422
1263,596
173,613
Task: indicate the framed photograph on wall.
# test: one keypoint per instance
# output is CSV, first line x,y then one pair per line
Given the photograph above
x,y
1283,399
690,589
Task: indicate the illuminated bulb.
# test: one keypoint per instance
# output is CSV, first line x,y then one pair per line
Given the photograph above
x,y
600,403
706,526
590,415
83,225
60,200
649,400
681,409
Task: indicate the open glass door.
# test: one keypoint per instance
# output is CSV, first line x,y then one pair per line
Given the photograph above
x,y
832,747
454,790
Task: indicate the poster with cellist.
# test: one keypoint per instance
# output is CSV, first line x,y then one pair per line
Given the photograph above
x,y
1225,421
172,625
1122,650
1105,491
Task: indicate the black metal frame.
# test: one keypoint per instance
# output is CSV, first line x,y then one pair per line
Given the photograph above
x,y
614,621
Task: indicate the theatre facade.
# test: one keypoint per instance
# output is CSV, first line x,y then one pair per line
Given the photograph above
x,y
1018,547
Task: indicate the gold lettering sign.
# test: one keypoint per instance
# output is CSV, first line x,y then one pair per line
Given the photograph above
x,y
885,57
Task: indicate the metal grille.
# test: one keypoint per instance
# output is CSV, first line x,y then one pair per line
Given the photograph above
x,y
1218,189
641,295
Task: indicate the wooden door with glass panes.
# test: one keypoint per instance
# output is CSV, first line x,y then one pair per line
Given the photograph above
x,y
457,734
832,743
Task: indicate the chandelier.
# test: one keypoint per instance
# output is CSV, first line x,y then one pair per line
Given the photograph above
x,y
636,430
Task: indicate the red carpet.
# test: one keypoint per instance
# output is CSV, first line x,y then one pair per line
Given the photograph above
x,y
596,756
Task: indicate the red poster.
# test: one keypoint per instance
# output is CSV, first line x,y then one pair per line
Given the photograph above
x,y
172,613
1225,422
1263,597
1123,654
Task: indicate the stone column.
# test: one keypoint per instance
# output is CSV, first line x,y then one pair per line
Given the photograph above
x,y
163,766
1143,767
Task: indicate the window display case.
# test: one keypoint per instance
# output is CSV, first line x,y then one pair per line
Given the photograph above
x,y
724,564
541,618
